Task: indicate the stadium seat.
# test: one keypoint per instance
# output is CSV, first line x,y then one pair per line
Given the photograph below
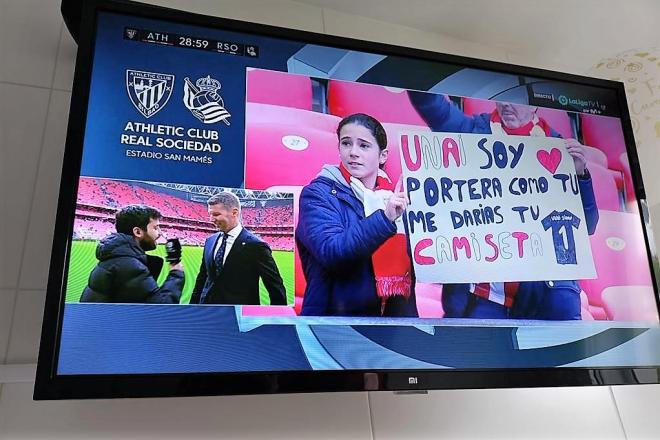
x,y
584,307
393,164
386,104
620,258
605,189
279,88
630,303
595,156
598,313
558,120
287,146
606,134
429,300
474,106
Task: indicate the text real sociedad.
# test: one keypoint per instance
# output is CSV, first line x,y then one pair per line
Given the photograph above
x,y
437,153
139,134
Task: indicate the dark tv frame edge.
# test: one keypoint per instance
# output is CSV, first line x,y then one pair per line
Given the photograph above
x,y
49,385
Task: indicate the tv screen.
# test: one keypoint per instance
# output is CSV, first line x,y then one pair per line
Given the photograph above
x,y
249,209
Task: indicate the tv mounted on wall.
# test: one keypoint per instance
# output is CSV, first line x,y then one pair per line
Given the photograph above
x,y
250,209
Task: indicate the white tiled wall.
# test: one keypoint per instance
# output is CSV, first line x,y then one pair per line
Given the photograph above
x,y
34,267
285,13
36,71
638,407
7,297
346,25
24,111
293,416
552,413
29,36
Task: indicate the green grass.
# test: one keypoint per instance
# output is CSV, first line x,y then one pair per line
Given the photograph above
x,y
83,260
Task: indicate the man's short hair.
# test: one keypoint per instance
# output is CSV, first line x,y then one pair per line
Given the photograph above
x,y
226,199
135,215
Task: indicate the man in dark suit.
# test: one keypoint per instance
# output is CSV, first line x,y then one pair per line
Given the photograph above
x,y
234,260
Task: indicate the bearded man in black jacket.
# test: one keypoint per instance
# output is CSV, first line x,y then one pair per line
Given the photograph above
x,y
125,273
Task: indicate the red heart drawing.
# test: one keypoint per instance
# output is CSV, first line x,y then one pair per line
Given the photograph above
x,y
551,160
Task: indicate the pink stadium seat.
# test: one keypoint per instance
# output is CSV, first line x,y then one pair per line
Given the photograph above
x,y
279,88
619,255
584,307
274,114
393,164
605,189
606,134
598,313
89,192
383,103
595,156
630,303
279,140
558,120
428,297
474,106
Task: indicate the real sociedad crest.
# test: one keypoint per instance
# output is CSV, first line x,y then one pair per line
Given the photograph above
x,y
149,91
203,100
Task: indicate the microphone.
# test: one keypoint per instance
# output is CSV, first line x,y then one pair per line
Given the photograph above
x,y
173,251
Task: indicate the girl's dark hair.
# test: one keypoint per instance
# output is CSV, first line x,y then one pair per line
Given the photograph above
x,y
369,123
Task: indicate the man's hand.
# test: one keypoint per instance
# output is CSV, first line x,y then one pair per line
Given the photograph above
x,y
177,266
576,150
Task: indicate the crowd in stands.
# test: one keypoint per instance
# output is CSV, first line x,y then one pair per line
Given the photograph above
x,y
115,194
92,229
98,200
271,216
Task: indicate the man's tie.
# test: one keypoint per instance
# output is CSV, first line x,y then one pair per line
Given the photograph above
x,y
220,255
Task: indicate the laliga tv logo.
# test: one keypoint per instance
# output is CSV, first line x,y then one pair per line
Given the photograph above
x,y
149,91
203,101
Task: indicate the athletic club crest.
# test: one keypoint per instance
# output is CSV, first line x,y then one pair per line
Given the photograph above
x,y
203,100
149,91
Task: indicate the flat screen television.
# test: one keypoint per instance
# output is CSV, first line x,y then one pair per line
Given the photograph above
x,y
250,209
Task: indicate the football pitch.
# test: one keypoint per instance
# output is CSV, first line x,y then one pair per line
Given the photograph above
x,y
83,260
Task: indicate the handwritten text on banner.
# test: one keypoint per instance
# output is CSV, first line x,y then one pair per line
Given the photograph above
x,y
493,208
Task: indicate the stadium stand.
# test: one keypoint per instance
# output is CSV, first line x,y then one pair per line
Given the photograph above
x,y
187,220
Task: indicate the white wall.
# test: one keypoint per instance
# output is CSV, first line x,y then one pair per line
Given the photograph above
x,y
36,70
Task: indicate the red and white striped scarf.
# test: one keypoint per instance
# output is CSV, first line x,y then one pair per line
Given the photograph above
x,y
500,293
536,127
392,267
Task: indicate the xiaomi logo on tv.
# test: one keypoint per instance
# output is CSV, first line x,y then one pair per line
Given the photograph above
x,y
412,380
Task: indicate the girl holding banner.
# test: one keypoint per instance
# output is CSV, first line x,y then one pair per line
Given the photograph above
x,y
350,236
550,300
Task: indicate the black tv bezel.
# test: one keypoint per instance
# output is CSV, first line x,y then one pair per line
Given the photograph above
x,y
50,385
